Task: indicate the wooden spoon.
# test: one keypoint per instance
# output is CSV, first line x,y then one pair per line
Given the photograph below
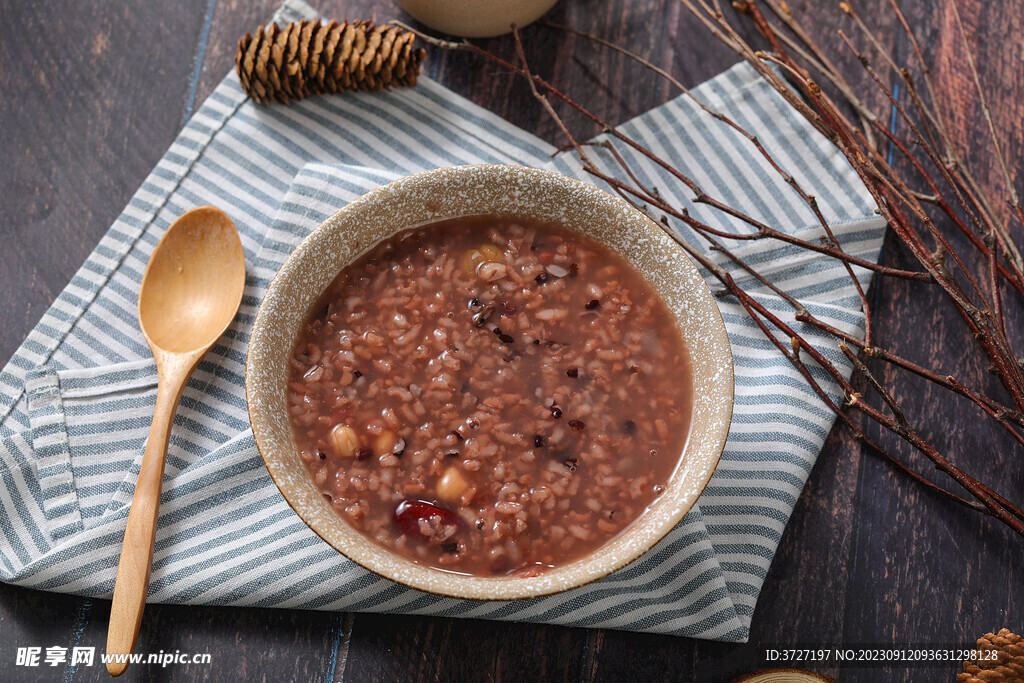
x,y
190,293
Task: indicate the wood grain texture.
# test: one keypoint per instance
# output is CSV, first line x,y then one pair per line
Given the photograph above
x,y
92,96
390,648
867,557
931,571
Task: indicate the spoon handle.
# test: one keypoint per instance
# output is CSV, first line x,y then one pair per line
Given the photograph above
x,y
132,582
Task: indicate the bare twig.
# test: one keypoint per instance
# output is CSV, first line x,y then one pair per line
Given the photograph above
x,y
942,183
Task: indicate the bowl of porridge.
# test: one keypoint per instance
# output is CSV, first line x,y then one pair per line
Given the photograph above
x,y
490,382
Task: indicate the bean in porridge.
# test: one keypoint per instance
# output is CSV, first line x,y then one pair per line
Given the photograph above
x,y
490,395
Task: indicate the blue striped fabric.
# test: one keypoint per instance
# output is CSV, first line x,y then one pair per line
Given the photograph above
x,y
77,397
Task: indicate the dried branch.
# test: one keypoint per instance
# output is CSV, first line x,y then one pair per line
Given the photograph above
x,y
940,180
1014,198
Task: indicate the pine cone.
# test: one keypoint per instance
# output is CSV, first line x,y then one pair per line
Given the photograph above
x,y
1008,667
280,64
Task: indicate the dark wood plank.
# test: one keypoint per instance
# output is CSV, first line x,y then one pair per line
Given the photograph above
x,y
928,571
398,648
244,643
92,96
867,557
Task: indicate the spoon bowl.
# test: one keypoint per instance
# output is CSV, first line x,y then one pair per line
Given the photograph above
x,y
193,283
189,295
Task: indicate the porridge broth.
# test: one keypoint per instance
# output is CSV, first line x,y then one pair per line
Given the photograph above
x,y
490,395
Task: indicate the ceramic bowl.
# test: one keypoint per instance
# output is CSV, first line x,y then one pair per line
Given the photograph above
x,y
496,190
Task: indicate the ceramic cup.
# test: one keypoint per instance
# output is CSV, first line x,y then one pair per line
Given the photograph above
x,y
475,18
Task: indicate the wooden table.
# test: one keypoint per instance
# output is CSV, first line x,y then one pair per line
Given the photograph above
x,y
94,92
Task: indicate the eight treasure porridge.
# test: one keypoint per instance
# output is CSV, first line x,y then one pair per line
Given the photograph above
x,y
490,395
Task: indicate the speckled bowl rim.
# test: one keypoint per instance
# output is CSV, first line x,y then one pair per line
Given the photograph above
x,y
501,190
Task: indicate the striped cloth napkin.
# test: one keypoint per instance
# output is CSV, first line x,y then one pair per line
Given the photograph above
x,y
77,397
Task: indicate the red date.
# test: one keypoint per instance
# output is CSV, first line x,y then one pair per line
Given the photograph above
x,y
409,513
